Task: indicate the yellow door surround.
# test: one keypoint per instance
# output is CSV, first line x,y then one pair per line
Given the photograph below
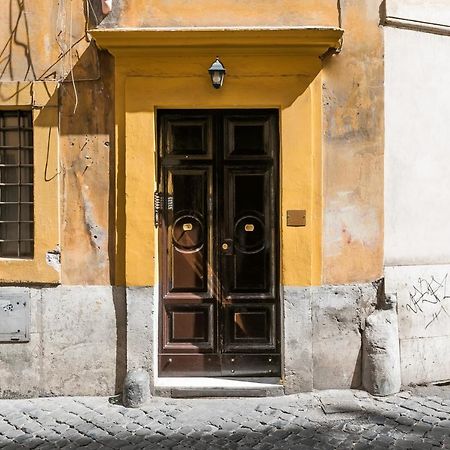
x,y
266,68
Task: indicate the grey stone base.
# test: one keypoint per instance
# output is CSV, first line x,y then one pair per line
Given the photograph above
x,y
79,343
322,335
84,339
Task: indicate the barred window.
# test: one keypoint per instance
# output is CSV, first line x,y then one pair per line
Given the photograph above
x,y
16,184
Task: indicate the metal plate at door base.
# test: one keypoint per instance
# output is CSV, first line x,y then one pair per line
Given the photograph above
x,y
226,365
244,365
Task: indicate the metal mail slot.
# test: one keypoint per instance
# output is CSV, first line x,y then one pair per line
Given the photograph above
x,y
14,316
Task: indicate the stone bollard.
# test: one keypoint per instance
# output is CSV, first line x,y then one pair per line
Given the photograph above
x,y
136,388
381,353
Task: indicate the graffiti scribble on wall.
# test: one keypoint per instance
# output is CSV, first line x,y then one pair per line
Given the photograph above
x,y
429,292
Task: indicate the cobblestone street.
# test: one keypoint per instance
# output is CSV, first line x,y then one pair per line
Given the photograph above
x,y
418,419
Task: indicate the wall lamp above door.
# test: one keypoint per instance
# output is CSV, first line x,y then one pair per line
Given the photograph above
x,y
217,73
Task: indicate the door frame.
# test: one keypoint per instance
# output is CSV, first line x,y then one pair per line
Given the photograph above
x,y
300,178
221,362
266,68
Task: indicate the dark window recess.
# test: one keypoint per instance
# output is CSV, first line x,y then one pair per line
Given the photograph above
x,y
16,184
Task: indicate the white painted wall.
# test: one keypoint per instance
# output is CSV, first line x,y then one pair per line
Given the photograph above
x,y
417,183
417,152
428,11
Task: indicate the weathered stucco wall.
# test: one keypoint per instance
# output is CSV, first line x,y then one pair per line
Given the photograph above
x,y
87,324
203,13
353,149
38,39
352,108
43,41
87,153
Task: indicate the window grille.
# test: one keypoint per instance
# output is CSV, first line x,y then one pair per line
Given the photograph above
x,y
16,184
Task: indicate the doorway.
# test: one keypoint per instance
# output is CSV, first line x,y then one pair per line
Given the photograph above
x,y
217,216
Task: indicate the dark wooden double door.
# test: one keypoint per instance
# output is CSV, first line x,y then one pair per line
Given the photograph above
x,y
218,241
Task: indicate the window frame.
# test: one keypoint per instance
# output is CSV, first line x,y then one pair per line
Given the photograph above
x,y
20,222
42,99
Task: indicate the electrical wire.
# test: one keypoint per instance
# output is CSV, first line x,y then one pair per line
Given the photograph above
x,y
71,60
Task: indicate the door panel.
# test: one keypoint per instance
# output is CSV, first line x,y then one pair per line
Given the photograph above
x,y
218,240
249,137
249,223
186,136
189,327
250,327
188,228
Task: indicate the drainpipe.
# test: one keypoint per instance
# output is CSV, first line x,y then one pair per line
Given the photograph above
x,y
106,6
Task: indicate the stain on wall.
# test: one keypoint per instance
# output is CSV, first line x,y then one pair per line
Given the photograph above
x,y
40,46
353,122
86,149
48,41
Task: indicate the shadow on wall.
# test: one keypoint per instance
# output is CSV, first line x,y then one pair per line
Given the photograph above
x,y
93,13
17,23
86,117
88,184
120,309
87,159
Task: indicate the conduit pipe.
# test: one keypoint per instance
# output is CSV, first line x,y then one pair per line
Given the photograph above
x,y
106,6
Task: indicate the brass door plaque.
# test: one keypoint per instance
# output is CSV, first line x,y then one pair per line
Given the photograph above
x,y
187,226
249,227
296,218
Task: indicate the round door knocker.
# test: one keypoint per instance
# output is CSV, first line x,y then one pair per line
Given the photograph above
x,y
249,234
187,234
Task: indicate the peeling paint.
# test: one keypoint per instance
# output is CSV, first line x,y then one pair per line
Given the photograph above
x,y
53,258
56,46
97,235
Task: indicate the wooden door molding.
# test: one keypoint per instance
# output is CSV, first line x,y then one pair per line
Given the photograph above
x,y
219,247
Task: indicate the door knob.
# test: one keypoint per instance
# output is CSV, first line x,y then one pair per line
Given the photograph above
x,y
227,247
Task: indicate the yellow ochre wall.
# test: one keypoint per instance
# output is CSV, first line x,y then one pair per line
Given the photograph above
x,y
300,138
232,13
331,131
331,136
265,69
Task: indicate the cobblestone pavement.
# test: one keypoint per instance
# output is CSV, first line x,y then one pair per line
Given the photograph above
x,y
322,420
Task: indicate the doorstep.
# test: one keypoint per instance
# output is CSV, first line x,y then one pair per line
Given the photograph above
x,y
191,387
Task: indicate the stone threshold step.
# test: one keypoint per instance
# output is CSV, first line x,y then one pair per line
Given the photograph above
x,y
192,387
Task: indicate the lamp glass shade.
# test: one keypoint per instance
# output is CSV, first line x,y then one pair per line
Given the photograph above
x,y
217,72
